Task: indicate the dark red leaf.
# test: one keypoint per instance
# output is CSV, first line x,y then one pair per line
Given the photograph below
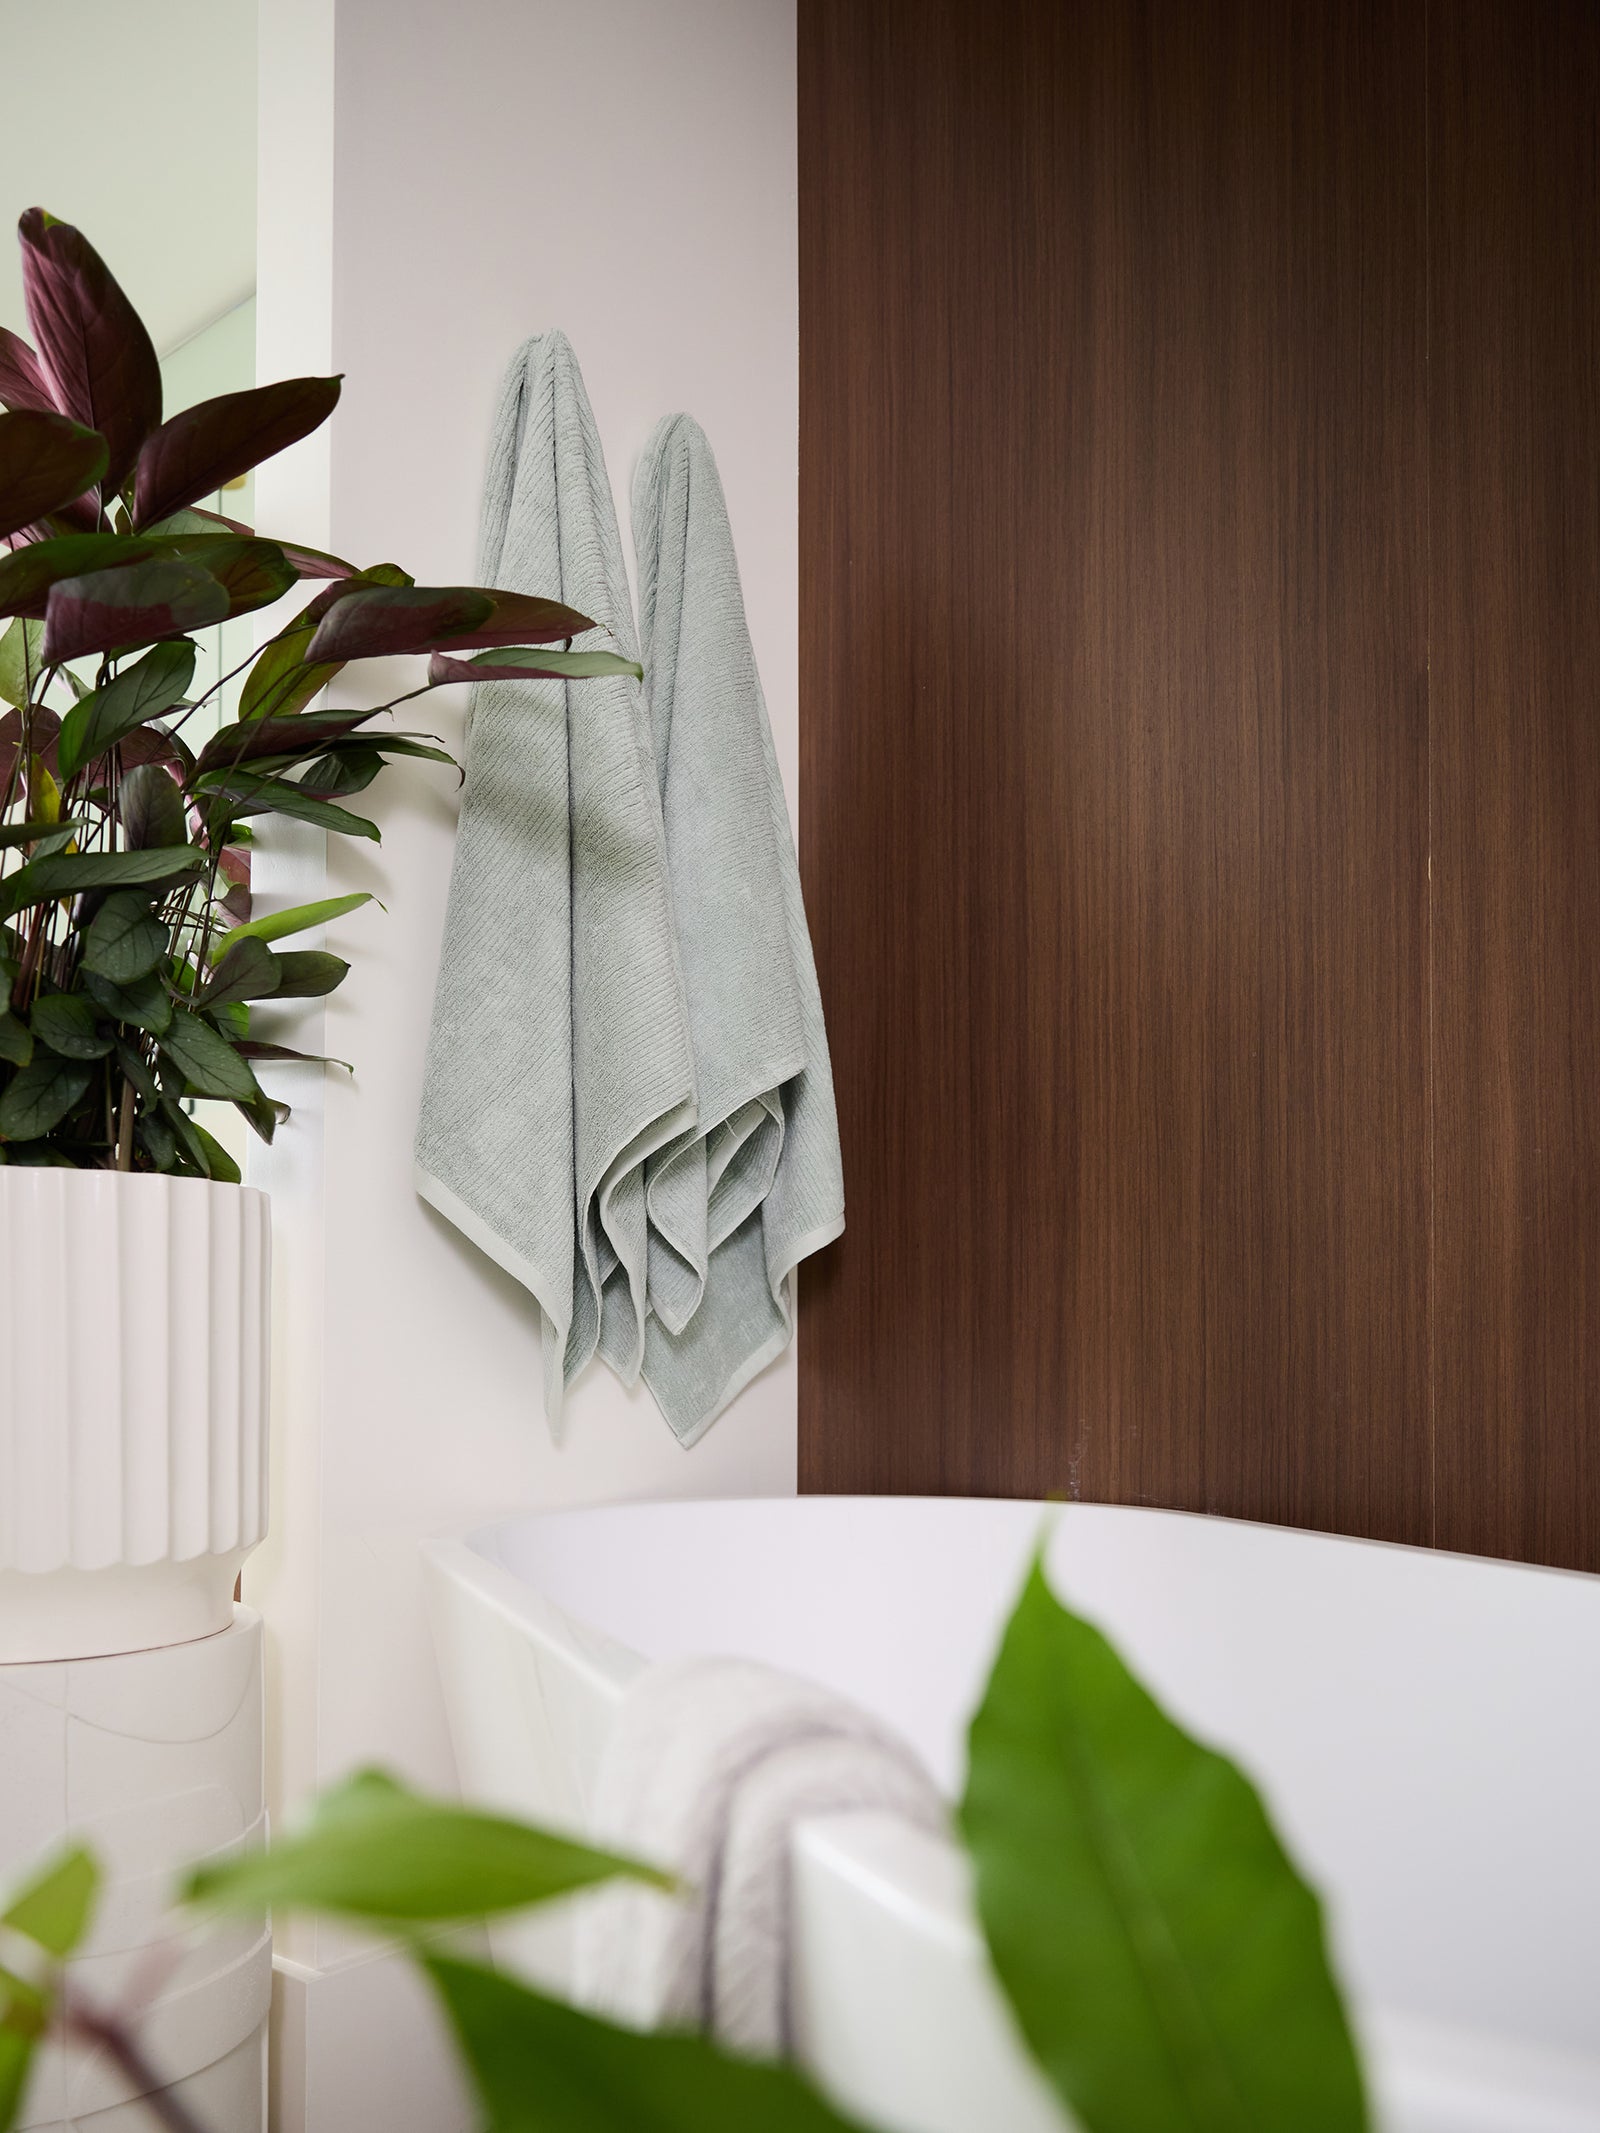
x,y
27,574
374,621
253,573
139,604
95,350
46,725
254,737
23,384
45,461
208,446
518,618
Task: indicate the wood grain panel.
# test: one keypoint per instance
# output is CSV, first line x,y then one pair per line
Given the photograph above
x,y
1514,124
1114,728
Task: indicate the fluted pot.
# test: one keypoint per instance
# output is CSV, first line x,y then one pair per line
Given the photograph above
x,y
133,1407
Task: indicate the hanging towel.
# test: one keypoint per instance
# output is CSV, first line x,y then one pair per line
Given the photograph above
x,y
559,1055
709,1769
627,1101
736,1201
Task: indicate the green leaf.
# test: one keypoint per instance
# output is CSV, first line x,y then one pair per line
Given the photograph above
x,y
250,794
248,971
308,973
1164,1960
218,1163
27,574
144,691
125,938
107,610
374,1850
55,1908
136,1069
16,2063
19,659
40,1096
207,1061
151,807
540,2067
65,1022
41,831
157,1138
16,1040
297,919
280,683
68,872
145,1002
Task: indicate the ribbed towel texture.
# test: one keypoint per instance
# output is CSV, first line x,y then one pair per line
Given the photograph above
x,y
709,1770
627,1101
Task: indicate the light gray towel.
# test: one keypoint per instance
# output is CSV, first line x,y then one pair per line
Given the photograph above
x,y
559,1055
627,1100
710,1767
756,1185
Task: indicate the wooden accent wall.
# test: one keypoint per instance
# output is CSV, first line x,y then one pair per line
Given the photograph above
x,y
1200,803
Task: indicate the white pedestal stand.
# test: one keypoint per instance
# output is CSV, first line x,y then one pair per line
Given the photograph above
x,y
154,1760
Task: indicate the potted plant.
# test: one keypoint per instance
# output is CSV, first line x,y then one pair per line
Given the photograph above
x,y
133,1261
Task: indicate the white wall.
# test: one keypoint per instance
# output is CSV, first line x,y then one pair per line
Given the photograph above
x,y
624,170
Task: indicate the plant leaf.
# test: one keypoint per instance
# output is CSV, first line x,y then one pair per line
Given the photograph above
x,y
247,971
541,2067
518,619
16,1039
55,1908
151,807
27,574
20,664
40,1096
375,621
138,603
209,1064
65,1023
252,573
372,1849
253,794
145,1001
45,726
136,1069
217,1161
45,461
125,939
252,1048
205,447
14,833
525,665
308,974
69,872
296,919
91,341
140,692
23,383
1163,1958
291,738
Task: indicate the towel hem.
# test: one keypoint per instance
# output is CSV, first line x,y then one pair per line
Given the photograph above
x,y
473,1227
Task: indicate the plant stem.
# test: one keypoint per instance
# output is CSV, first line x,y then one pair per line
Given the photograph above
x,y
125,1127
96,2028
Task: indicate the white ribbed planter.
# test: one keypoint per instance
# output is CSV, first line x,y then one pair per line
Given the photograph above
x,y
133,1407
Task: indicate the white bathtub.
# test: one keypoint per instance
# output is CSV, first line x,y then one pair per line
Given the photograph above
x,y
1426,1727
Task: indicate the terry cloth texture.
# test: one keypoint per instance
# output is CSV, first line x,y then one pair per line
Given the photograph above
x,y
627,1101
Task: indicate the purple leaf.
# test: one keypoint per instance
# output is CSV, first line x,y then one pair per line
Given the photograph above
x,y
27,574
138,604
531,666
208,446
374,621
95,350
254,737
23,384
518,618
46,725
253,573
45,461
